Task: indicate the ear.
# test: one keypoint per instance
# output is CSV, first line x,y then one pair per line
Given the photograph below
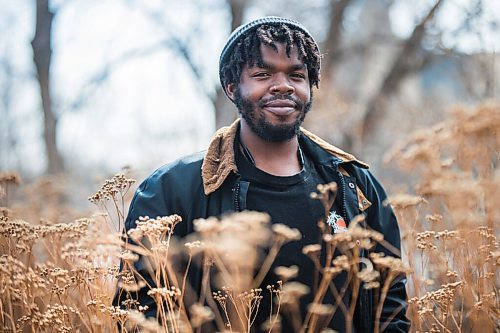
x,y
231,90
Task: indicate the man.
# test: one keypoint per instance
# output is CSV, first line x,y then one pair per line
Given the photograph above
x,y
266,162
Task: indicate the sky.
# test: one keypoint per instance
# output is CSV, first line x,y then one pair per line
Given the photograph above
x,y
450,18
148,111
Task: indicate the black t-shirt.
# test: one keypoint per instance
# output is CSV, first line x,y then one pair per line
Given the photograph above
x,y
287,200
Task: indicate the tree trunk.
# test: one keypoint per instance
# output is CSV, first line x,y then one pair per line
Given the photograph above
x,y
42,54
331,45
225,111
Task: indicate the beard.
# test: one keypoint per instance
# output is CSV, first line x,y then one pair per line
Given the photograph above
x,y
264,129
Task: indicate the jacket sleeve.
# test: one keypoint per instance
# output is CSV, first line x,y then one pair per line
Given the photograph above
x,y
149,200
381,218
175,188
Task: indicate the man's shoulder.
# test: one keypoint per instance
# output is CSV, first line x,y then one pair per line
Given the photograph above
x,y
326,152
185,162
185,168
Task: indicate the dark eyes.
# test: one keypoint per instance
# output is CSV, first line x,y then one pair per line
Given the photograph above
x,y
261,74
266,74
298,75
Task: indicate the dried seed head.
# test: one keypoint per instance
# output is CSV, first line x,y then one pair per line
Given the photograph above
x,y
131,287
446,235
165,293
368,274
272,325
321,309
285,234
437,300
136,319
328,330
195,247
119,184
127,255
424,240
403,201
293,291
434,218
312,250
154,229
372,285
286,273
5,212
7,178
392,264
10,177
341,262
200,314
332,271
195,244
325,188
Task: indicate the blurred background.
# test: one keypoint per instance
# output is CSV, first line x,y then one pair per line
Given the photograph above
x,y
89,87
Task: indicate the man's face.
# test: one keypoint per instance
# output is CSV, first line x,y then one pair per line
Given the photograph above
x,y
274,99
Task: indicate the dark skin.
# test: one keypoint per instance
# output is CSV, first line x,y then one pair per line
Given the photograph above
x,y
280,76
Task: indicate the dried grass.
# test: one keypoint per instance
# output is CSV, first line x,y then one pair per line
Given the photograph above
x,y
450,228
61,276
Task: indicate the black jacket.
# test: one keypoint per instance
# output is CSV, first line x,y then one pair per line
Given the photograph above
x,y
208,184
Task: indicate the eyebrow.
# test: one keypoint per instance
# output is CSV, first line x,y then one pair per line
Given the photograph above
x,y
295,67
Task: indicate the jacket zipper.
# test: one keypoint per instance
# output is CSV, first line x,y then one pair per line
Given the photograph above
x,y
364,304
236,196
344,201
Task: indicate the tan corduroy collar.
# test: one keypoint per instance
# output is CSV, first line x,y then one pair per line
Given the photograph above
x,y
219,159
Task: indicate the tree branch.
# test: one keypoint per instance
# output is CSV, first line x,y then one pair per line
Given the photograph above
x,y
42,56
332,43
405,63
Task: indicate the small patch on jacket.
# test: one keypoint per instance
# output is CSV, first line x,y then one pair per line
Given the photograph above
x,y
336,221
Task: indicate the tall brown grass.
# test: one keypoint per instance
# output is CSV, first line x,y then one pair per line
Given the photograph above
x,y
61,277
450,227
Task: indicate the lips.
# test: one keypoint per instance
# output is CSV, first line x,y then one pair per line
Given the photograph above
x,y
280,107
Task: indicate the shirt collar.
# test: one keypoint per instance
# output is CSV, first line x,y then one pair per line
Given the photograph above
x,y
219,159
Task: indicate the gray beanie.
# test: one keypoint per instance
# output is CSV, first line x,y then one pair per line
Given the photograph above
x,y
240,32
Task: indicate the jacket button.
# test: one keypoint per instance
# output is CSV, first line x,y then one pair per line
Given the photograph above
x,y
351,185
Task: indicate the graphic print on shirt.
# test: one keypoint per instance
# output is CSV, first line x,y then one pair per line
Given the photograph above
x,y
336,221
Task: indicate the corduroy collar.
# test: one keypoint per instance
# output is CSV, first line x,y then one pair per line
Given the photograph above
x,y
219,159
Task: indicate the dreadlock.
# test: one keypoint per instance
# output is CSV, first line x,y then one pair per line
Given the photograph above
x,y
247,51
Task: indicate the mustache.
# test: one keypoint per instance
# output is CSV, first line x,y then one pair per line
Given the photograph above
x,y
298,103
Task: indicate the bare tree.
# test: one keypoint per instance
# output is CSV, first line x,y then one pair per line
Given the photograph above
x,y
358,115
182,46
332,43
410,59
42,55
409,56
225,111
8,139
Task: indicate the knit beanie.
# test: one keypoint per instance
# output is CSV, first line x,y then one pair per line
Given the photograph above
x,y
241,32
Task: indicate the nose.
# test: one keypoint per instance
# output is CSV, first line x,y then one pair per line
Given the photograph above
x,y
282,86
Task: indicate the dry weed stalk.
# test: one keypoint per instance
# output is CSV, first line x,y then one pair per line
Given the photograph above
x,y
450,230
57,277
219,245
112,198
7,180
60,277
346,252
226,242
